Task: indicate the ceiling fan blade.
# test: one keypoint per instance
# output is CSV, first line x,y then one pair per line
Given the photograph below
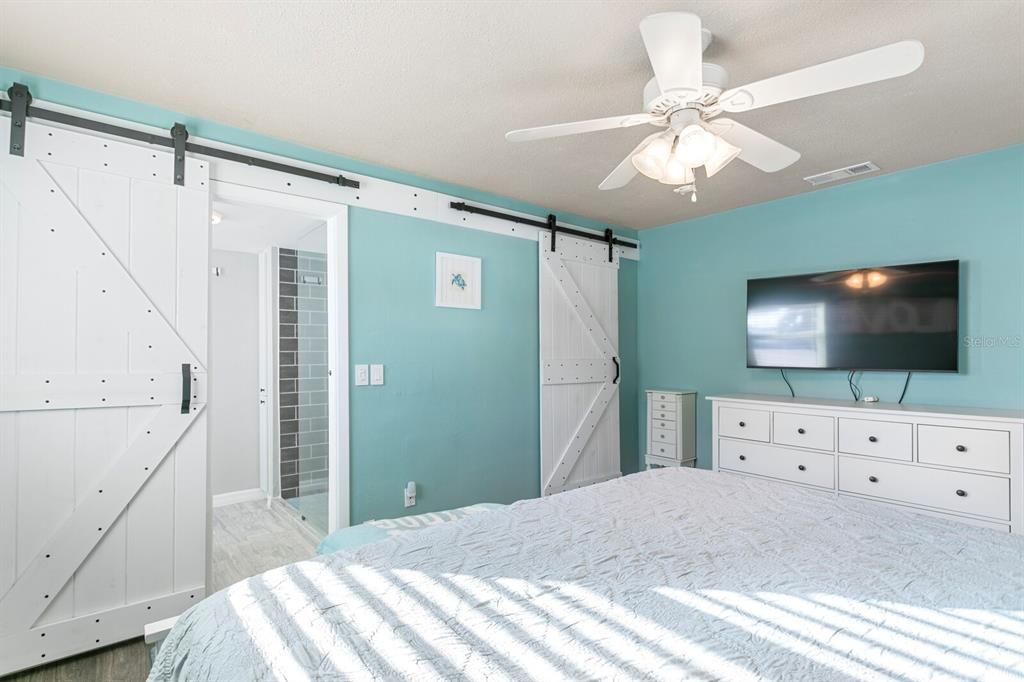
x,y
577,127
625,171
758,150
897,59
675,47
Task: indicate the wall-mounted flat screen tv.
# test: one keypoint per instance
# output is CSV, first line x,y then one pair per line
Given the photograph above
x,y
896,317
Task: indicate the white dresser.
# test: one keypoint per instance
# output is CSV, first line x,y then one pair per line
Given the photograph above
x,y
962,463
671,428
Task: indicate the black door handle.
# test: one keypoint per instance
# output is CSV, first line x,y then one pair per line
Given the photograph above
x,y
186,387
616,361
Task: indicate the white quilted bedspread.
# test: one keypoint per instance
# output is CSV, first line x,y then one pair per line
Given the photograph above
x,y
666,575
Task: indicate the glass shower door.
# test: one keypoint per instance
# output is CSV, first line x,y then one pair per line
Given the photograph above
x,y
303,384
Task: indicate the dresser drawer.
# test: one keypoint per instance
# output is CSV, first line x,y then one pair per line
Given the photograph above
x,y
663,415
743,422
664,450
660,397
663,436
659,424
804,430
950,490
812,468
659,406
891,440
966,448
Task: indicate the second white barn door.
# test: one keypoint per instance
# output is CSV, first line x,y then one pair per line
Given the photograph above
x,y
103,328
579,332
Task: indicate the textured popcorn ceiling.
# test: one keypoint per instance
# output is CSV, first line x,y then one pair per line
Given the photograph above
x,y
431,87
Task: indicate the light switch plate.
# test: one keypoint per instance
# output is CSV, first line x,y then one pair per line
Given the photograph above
x,y
376,375
362,375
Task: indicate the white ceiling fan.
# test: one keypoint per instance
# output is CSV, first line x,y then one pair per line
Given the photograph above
x,y
687,94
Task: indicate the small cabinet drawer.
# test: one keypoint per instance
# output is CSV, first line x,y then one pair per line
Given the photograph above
x,y
965,448
891,440
660,406
663,415
659,424
662,449
743,422
950,490
663,436
811,468
660,397
804,430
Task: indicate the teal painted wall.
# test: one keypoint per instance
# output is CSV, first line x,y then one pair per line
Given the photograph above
x,y
459,412
629,383
692,280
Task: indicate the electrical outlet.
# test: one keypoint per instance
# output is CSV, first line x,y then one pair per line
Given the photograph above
x,y
410,494
362,375
376,375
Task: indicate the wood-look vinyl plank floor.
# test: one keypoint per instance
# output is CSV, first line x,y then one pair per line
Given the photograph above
x,y
248,539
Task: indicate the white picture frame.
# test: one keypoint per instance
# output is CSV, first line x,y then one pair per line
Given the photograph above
x,y
457,281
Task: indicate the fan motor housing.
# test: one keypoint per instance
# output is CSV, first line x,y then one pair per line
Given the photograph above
x,y
714,77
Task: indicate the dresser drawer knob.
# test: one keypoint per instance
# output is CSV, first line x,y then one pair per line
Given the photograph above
x,y
872,439
661,435
961,448
873,479
961,493
800,431
743,458
743,424
801,467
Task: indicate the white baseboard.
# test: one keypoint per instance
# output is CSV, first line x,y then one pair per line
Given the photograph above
x,y
237,496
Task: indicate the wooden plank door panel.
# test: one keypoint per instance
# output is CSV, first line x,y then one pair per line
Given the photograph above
x,y
103,297
579,340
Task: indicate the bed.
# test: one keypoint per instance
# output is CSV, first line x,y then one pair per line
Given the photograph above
x,y
667,574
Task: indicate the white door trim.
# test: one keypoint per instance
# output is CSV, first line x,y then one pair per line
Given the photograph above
x,y
265,190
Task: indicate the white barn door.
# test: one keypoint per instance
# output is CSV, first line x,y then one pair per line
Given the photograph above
x,y
579,331
103,334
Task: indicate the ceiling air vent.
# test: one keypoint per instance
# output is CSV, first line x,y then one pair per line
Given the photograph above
x,y
841,173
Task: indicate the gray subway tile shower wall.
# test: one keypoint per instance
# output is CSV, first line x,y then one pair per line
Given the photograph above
x,y
303,372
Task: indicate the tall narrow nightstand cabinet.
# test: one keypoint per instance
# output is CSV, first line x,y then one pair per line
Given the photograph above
x,y
671,428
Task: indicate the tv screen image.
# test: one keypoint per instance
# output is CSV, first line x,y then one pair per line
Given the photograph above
x,y
896,317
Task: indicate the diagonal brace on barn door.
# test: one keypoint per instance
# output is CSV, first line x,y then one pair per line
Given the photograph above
x,y
581,307
578,443
68,547
32,185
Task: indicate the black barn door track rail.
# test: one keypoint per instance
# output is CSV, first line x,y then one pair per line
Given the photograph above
x,y
550,224
21,109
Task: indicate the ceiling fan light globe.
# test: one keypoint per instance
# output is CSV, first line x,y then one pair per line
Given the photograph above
x,y
676,173
695,145
724,153
651,159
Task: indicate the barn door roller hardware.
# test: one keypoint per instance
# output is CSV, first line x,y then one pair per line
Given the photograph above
x,y
550,224
19,106
20,99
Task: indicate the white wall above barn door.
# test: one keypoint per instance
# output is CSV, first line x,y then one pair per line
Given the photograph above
x,y
103,298
579,329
